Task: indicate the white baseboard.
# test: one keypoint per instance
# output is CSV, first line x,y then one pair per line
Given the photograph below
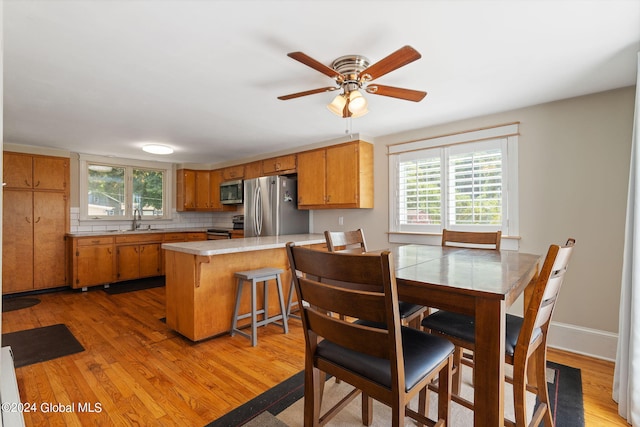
x,y
586,341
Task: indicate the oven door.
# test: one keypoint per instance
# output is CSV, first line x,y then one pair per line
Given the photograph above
x,y
218,235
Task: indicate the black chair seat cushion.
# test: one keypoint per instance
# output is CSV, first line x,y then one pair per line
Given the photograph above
x,y
464,327
422,353
407,309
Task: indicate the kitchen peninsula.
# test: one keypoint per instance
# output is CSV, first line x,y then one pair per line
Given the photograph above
x,y
200,284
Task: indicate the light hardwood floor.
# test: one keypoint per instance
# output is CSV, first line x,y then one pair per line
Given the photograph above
x,y
142,373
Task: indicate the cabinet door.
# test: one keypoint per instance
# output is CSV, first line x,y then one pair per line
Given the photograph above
x,y
185,190
215,178
127,262
279,164
17,241
149,259
253,170
311,178
202,190
233,172
50,173
342,174
50,226
94,264
17,170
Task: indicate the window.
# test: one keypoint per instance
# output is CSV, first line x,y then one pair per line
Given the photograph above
x,y
111,189
464,182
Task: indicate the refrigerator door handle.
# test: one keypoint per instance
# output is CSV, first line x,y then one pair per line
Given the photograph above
x,y
258,211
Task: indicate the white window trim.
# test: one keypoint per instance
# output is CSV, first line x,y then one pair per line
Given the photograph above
x,y
143,164
509,132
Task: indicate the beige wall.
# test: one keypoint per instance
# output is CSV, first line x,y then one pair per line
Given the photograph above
x,y
573,173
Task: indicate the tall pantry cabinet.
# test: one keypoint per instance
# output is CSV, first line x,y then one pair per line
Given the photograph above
x,y
35,221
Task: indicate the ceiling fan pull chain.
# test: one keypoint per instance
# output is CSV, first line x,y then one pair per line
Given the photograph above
x,y
348,124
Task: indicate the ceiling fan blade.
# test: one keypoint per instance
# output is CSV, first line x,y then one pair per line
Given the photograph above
x,y
318,66
396,92
308,92
397,59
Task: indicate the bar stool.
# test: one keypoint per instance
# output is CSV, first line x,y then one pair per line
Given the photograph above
x,y
254,277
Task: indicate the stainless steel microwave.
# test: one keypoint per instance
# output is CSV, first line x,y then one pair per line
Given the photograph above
x,y
231,192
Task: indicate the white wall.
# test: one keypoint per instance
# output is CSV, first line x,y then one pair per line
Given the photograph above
x,y
573,173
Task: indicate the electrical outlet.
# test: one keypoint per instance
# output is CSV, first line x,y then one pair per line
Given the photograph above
x,y
340,220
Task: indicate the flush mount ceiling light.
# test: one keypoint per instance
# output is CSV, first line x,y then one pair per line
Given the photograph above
x,y
157,149
353,73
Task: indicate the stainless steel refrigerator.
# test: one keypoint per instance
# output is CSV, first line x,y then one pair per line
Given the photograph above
x,y
271,207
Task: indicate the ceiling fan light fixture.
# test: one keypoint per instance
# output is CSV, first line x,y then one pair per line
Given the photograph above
x,y
357,103
157,149
360,113
337,105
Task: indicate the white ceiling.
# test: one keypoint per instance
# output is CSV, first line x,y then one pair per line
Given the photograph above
x,y
103,77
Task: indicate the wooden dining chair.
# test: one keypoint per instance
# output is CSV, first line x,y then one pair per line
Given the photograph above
x,y
354,242
380,358
473,239
526,337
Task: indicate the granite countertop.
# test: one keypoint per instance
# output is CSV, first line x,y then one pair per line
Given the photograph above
x,y
219,247
141,231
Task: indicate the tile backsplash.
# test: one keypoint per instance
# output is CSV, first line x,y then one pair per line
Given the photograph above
x,y
179,220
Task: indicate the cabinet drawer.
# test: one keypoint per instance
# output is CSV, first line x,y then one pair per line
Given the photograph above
x,y
194,237
233,172
139,238
90,241
278,164
175,237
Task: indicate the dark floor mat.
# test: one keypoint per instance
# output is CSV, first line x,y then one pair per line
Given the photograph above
x,y
41,344
11,304
135,285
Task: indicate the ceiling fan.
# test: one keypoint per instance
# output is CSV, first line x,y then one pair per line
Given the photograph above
x,y
353,73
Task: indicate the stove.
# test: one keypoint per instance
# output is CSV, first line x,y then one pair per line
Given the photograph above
x,y
218,234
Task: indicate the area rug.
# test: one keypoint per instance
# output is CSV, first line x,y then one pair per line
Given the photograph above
x,y
41,344
18,303
135,285
282,405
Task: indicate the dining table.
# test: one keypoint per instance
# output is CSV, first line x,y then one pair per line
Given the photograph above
x,y
481,283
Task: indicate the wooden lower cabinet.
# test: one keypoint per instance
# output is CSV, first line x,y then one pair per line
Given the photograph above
x,y
137,261
92,261
105,259
33,250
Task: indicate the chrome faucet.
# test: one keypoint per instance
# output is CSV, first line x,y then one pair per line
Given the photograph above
x,y
137,218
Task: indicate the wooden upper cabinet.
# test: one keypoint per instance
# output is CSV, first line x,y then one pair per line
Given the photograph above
x,y
233,172
29,171
339,176
202,190
280,164
312,178
185,189
253,170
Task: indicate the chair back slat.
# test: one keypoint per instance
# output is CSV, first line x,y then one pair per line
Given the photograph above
x,y
345,298
346,240
545,294
352,268
482,240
